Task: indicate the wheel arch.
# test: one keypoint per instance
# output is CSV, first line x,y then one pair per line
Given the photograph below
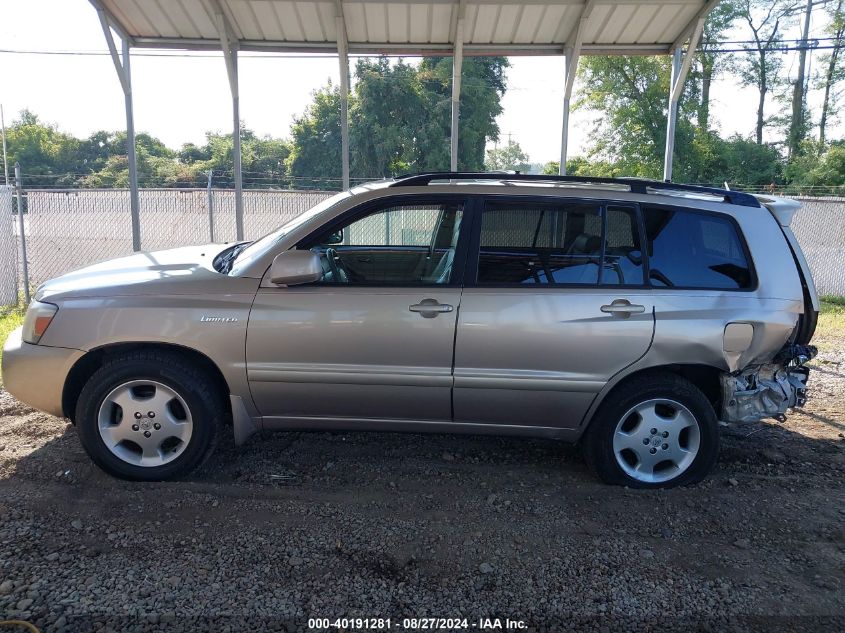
x,y
85,367
705,377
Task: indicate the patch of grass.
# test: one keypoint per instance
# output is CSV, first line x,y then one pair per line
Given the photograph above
x,y
10,318
833,301
832,317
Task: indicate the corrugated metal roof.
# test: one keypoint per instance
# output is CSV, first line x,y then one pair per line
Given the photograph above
x,y
410,26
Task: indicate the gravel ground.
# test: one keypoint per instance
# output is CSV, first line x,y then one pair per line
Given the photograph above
x,y
301,525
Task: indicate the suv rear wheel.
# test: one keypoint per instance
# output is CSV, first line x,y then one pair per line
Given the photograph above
x,y
149,416
655,431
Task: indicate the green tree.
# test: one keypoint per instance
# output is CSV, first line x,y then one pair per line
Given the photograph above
x,y
818,174
629,93
156,163
509,157
400,121
483,84
710,63
834,69
748,164
315,156
47,156
389,111
798,126
761,65
262,161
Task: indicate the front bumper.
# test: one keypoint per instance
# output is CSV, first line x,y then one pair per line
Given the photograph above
x,y
36,374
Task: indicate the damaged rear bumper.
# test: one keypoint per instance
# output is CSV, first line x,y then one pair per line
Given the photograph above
x,y
768,390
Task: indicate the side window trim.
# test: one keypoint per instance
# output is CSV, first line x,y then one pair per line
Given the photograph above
x,y
643,246
373,206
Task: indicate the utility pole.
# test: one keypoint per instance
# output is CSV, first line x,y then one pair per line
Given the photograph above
x,y
797,129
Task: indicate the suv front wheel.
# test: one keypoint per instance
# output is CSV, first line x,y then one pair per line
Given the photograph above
x,y
655,431
149,416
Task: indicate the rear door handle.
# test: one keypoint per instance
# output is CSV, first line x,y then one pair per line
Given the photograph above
x,y
623,308
430,308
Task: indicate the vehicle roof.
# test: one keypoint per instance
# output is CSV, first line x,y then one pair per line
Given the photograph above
x,y
564,186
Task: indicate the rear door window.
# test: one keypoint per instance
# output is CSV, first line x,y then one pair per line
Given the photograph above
x,y
689,249
537,243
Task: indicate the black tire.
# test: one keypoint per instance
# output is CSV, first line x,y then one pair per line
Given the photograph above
x,y
598,439
205,403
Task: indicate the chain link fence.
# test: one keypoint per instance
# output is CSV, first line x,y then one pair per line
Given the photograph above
x,y
820,229
66,230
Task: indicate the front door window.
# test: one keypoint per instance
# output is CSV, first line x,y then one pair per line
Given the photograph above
x,y
403,245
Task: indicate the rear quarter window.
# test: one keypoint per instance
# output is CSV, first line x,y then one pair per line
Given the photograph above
x,y
689,249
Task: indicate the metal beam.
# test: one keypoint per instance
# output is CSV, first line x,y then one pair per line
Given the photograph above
x,y
702,14
115,23
457,67
422,49
564,134
678,84
572,55
680,68
229,45
343,60
124,74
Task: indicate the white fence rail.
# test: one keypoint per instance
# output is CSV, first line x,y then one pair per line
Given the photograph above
x,y
66,230
8,250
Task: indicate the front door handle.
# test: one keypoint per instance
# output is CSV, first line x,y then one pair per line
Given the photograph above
x,y
623,308
430,308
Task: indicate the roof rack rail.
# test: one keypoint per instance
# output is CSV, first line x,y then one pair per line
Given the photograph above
x,y
636,185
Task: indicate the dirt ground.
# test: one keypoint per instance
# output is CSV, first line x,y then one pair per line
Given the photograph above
x,y
330,525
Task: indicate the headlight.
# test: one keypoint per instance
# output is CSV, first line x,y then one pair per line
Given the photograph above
x,y
37,320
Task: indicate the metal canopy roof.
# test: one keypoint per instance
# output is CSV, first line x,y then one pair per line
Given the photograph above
x,y
402,27
411,26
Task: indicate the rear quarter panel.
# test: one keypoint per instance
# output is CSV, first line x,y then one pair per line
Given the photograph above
x,y
690,324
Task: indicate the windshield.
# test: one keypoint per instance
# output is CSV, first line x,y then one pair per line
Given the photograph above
x,y
261,246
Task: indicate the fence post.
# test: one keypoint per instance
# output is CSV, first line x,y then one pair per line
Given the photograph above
x,y
210,210
25,266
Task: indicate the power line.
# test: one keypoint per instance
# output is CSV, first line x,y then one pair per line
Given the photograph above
x,y
782,45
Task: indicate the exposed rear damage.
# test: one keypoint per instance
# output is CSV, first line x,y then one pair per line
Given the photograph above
x,y
768,390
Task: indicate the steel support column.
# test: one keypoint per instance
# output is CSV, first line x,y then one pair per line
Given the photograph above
x,y
236,152
457,65
343,59
572,53
124,74
229,45
680,69
672,117
567,93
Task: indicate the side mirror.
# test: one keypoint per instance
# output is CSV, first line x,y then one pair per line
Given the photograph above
x,y
334,238
292,268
